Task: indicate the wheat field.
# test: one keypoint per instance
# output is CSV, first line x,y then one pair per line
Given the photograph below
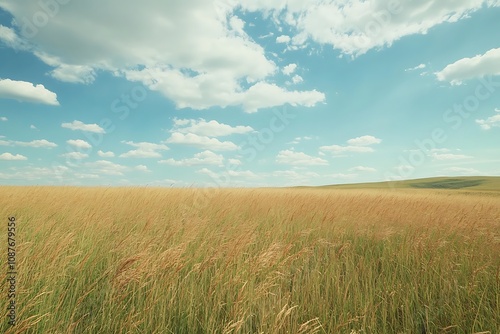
x,y
151,260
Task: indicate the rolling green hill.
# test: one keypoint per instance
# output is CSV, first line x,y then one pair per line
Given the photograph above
x,y
476,183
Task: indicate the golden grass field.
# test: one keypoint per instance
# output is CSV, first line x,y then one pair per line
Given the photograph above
x,y
305,260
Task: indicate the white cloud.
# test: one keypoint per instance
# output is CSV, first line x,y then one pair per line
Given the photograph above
x,y
210,129
470,68
78,125
242,173
235,162
86,176
342,176
293,158
202,158
363,169
41,143
103,154
208,172
449,156
75,155
4,119
230,173
364,141
289,69
402,169
10,38
283,39
82,144
205,91
356,26
462,170
197,61
297,79
356,145
144,150
12,157
292,175
142,168
265,95
337,149
202,142
106,167
299,139
32,127
418,67
490,122
27,92
36,173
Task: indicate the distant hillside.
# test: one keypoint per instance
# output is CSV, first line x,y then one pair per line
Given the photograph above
x,y
479,183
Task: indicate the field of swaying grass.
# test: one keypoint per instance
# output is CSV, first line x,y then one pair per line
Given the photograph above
x,y
137,260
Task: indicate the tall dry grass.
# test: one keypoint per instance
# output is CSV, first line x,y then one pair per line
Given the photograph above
x,y
130,260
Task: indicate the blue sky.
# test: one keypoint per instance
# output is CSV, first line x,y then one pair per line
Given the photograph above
x,y
247,93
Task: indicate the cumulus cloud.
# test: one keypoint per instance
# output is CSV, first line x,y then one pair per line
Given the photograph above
x,y
207,90
27,92
202,142
265,95
40,143
80,126
12,157
105,167
103,154
195,61
203,158
210,129
142,168
490,122
364,141
289,69
470,68
283,39
144,150
297,79
293,158
356,145
357,26
78,143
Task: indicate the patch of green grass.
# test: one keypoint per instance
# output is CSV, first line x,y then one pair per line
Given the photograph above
x,y
448,184
471,183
